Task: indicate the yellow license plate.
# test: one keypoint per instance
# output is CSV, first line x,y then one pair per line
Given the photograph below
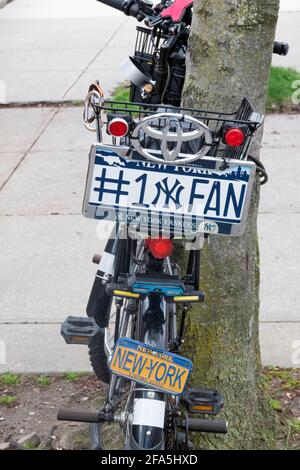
x,y
155,367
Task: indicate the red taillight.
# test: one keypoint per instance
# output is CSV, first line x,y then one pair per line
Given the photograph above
x,y
160,247
118,127
234,137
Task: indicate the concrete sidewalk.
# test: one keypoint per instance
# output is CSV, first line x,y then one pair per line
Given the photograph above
x,y
49,52
46,245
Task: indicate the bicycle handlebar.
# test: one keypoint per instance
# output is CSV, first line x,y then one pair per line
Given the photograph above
x,y
82,416
128,7
204,425
132,8
117,4
281,48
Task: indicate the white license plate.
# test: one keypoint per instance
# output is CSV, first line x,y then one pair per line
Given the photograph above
x,y
200,197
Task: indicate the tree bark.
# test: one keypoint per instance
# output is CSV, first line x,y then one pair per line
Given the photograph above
x,y
229,57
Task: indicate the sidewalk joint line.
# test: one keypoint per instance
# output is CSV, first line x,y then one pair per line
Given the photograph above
x,y
32,322
42,104
94,58
42,131
9,323
279,321
295,212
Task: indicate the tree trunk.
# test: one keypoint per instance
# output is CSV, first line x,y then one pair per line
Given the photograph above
x,y
230,52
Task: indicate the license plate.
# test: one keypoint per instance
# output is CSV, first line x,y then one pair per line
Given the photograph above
x,y
145,364
202,197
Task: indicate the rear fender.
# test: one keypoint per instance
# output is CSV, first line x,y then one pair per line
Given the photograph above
x,y
146,430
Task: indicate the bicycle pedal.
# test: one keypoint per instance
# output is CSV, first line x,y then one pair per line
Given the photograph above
x,y
203,401
79,330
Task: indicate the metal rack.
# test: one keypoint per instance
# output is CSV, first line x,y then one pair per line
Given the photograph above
x,y
146,51
214,120
147,43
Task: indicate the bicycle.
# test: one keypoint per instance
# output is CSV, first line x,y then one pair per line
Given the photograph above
x,y
162,172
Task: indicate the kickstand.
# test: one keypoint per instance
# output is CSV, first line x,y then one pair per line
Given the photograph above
x,y
95,437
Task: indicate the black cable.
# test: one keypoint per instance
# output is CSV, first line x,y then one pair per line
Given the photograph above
x,y
261,170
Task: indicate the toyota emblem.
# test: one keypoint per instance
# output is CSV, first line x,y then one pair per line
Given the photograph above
x,y
161,138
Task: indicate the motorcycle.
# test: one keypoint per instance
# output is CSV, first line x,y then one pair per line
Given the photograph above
x,y
165,175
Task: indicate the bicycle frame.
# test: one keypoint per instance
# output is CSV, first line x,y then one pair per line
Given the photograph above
x,y
155,325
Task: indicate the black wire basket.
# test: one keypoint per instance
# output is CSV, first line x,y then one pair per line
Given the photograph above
x,y
217,122
147,43
146,51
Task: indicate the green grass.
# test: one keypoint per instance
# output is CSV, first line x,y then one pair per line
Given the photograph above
x,y
10,379
121,93
7,400
287,377
275,404
72,376
293,429
30,446
281,89
43,381
294,425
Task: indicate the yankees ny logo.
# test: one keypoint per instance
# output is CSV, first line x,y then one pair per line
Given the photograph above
x,y
163,188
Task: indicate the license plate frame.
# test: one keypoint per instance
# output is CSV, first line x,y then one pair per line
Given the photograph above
x,y
143,363
160,220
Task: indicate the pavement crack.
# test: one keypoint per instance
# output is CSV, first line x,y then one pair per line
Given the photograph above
x,y
32,322
118,29
57,322
42,104
278,212
279,321
42,131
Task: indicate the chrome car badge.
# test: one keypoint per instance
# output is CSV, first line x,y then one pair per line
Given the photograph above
x,y
171,137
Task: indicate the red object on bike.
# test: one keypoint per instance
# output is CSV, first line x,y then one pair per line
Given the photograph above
x,y
176,10
118,127
234,137
160,247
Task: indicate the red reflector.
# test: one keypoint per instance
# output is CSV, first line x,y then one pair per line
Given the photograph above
x,y
234,137
118,127
160,247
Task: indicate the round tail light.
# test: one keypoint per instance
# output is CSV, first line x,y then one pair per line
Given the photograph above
x,y
160,248
234,137
118,127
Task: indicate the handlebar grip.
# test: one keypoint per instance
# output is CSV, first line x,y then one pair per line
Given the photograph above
x,y
82,416
281,48
205,425
117,4
128,7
